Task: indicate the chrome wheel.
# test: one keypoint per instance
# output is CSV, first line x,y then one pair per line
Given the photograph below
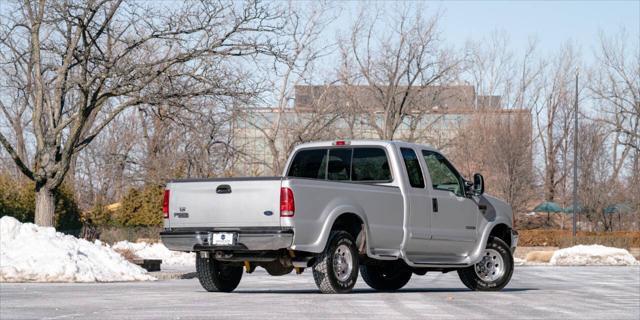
x,y
342,263
491,267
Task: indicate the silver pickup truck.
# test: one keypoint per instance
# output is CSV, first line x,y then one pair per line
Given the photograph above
x,y
388,209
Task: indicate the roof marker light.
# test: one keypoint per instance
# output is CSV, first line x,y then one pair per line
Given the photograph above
x,y
341,143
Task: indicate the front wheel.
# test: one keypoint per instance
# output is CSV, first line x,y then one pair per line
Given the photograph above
x,y
336,269
493,272
216,276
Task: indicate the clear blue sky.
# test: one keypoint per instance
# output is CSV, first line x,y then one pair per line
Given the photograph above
x,y
552,23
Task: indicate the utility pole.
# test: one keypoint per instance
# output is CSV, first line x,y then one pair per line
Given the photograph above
x,y
575,162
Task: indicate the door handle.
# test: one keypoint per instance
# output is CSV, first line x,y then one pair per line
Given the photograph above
x,y
434,203
223,188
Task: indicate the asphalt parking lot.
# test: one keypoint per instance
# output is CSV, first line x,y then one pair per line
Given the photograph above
x,y
534,292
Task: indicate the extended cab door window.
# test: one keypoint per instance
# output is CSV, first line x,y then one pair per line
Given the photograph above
x,y
370,165
339,164
309,164
443,175
413,167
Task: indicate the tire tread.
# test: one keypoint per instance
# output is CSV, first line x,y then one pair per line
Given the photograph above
x,y
321,270
207,276
470,279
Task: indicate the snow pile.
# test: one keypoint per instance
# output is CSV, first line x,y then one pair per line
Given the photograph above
x,y
170,259
29,253
518,261
592,255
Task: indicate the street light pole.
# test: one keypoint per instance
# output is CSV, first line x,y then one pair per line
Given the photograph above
x,y
575,162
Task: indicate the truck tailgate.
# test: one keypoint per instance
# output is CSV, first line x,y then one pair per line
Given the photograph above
x,y
224,203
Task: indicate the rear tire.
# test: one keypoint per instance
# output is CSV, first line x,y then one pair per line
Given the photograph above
x,y
385,276
216,276
336,269
493,272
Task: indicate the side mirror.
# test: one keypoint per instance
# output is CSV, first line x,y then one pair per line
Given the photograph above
x,y
478,184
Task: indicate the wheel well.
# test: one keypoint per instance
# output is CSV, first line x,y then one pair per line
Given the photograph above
x,y
503,232
348,222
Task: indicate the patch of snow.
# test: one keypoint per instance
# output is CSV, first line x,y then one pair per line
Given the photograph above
x,y
592,255
534,263
29,253
170,259
518,261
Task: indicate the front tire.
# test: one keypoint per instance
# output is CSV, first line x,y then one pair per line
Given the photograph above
x,y
216,276
336,269
493,272
385,276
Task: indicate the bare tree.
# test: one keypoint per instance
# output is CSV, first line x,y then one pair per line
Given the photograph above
x,y
498,144
280,125
80,64
498,140
595,169
617,84
553,119
394,71
103,168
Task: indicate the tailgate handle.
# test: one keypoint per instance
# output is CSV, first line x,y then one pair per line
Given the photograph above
x,y
223,188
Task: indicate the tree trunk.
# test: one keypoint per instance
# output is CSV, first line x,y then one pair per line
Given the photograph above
x,y
550,183
45,207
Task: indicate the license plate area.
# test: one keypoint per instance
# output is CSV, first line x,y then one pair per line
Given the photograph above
x,y
223,238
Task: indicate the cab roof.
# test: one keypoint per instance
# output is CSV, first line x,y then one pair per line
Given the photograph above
x,y
332,143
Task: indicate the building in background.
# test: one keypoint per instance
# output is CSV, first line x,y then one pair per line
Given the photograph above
x,y
438,116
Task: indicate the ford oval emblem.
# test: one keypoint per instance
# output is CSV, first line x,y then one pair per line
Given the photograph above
x,y
268,213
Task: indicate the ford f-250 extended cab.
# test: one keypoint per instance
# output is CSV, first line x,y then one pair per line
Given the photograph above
x,y
385,208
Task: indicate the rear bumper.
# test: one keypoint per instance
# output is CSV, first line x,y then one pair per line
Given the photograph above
x,y
252,240
514,240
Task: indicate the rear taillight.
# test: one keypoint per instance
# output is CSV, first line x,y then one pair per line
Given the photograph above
x,y
287,205
165,204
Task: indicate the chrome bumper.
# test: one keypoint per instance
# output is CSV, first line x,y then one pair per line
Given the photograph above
x,y
252,240
514,240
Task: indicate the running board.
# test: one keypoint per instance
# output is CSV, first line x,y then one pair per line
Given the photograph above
x,y
431,264
438,264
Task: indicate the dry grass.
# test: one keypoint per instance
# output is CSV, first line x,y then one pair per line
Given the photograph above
x,y
127,254
115,234
563,238
539,256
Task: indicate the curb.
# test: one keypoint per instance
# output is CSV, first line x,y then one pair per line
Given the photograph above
x,y
162,275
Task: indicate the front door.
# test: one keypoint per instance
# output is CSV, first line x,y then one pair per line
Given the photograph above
x,y
454,217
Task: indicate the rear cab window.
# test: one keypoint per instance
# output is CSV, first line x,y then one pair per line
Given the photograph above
x,y
310,164
339,164
348,164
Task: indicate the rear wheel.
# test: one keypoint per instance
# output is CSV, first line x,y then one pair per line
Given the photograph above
x,y
216,276
387,276
493,272
336,269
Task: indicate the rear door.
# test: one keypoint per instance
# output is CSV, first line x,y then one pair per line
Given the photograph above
x,y
224,203
454,217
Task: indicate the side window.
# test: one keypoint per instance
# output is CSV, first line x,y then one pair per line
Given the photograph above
x,y
413,167
443,175
309,164
370,164
339,164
